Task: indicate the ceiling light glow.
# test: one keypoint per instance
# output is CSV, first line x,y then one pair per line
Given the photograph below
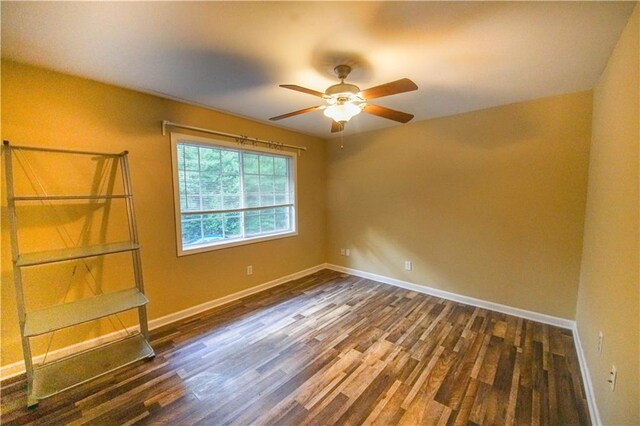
x,y
342,111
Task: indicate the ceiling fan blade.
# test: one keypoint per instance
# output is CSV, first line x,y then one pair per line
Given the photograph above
x,y
389,113
303,90
291,114
336,127
395,87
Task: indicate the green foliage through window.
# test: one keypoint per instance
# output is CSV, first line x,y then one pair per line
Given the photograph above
x,y
228,194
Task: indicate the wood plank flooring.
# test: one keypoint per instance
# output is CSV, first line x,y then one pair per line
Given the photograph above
x,y
333,349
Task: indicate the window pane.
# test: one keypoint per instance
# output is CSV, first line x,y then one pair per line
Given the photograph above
x,y
212,226
182,183
211,202
230,202
281,210
266,200
251,163
180,157
266,184
280,183
192,180
267,222
193,203
266,165
210,160
251,223
210,184
231,185
191,230
252,200
232,228
280,166
230,162
191,157
282,199
251,183
282,222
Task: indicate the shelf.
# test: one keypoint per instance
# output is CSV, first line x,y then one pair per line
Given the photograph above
x,y
51,378
68,314
68,197
61,255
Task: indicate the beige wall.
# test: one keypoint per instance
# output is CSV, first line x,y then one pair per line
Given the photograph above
x,y
49,109
609,296
488,204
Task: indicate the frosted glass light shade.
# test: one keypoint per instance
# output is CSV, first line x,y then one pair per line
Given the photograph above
x,y
342,112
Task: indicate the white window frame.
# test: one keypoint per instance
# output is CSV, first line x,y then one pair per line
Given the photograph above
x,y
209,142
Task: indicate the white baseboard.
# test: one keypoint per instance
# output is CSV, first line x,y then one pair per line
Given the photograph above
x,y
586,379
522,313
11,370
185,313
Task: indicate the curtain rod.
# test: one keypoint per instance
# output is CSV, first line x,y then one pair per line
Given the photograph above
x,y
238,138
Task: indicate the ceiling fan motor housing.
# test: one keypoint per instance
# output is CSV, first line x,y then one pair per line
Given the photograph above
x,y
342,71
342,90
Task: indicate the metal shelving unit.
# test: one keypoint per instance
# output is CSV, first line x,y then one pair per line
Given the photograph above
x,y
50,378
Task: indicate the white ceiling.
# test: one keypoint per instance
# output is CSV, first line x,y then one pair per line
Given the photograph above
x,y
231,56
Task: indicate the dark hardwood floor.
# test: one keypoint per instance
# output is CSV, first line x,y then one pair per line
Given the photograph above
x,y
333,349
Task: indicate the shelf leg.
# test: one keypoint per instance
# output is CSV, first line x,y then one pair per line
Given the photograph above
x,y
17,272
32,402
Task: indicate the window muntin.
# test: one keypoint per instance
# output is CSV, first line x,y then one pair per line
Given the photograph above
x,y
228,196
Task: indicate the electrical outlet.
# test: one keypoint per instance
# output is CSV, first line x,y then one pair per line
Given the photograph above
x,y
250,270
600,338
342,252
408,265
613,376
348,252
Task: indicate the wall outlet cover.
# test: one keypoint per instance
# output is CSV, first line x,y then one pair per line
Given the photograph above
x,y
600,339
613,376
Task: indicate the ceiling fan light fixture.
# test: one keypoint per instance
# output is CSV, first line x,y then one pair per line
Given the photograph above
x,y
342,112
345,100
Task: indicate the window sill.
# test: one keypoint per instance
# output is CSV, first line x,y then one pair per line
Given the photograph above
x,y
223,245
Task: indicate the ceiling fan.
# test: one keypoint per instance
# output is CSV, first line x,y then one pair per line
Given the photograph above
x,y
344,100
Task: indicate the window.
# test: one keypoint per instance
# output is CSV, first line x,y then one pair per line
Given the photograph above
x,y
226,195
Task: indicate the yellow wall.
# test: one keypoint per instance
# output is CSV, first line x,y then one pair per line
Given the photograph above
x,y
45,108
609,295
487,204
